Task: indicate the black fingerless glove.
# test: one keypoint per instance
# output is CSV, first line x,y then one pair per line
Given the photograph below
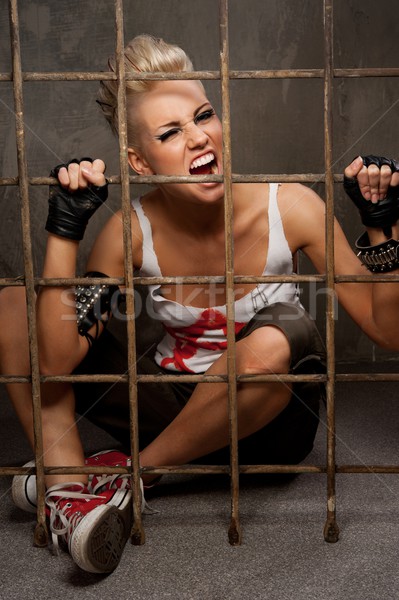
x,y
69,212
385,212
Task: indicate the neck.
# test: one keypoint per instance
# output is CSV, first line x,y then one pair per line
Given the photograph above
x,y
198,219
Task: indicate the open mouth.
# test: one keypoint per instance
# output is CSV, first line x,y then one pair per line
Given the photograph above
x,y
204,165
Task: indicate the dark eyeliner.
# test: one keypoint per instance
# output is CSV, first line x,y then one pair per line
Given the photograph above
x,y
166,135
203,116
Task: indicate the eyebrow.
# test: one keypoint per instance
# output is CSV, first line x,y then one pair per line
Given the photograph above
x,y
178,123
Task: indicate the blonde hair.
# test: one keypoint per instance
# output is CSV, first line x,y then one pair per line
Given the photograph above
x,y
143,54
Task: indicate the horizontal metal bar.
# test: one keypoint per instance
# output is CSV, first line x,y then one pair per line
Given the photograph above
x,y
367,72
167,469
112,378
99,470
15,379
11,281
244,469
343,377
146,179
62,76
141,378
205,470
367,278
115,378
241,378
205,75
370,469
183,280
203,279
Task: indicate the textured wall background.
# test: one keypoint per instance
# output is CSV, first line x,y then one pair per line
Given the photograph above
x,y
277,125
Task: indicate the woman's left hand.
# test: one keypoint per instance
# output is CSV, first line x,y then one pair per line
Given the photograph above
x,y
374,176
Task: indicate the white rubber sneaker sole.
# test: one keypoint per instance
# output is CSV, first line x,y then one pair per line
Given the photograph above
x,y
122,500
98,541
23,490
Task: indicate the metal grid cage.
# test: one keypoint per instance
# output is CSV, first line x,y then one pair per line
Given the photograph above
x,y
225,75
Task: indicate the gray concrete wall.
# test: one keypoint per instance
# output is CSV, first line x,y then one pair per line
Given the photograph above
x,y
277,125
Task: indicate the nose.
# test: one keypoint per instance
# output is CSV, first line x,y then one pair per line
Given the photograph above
x,y
196,136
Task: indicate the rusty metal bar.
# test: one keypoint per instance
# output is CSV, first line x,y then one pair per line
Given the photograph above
x,y
202,279
376,278
331,531
207,469
367,377
181,280
234,529
367,72
41,534
263,378
287,378
147,179
207,75
189,469
137,533
368,469
112,378
189,280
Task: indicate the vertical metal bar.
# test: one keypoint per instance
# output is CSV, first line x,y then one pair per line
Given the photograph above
x,y
138,535
234,529
41,534
331,530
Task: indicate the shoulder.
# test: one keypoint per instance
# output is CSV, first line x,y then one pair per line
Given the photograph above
x,y
297,197
108,248
304,218
302,212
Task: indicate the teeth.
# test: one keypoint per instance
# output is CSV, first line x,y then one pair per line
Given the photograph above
x,y
202,160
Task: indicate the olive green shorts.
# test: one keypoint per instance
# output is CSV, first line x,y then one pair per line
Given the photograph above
x,y
288,439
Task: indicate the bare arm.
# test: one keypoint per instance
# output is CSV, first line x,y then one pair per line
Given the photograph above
x,y
376,185
372,306
60,345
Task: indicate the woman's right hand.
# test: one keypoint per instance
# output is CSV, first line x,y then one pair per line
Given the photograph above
x,y
80,174
81,191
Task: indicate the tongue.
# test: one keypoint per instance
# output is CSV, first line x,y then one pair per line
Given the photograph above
x,y
202,170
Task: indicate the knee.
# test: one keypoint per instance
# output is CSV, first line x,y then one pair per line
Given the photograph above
x,y
266,350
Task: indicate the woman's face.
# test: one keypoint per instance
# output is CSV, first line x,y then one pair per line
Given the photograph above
x,y
179,134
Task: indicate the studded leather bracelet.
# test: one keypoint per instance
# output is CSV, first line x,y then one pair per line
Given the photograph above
x,y
381,258
94,304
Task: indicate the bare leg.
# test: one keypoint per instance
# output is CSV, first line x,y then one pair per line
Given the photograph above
x,y
202,426
61,440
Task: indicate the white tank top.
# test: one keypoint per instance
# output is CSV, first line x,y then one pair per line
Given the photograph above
x,y
195,336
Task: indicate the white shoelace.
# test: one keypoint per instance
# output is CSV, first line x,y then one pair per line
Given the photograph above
x,y
109,480
65,524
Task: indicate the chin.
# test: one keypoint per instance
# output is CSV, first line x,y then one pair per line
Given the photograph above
x,y
210,194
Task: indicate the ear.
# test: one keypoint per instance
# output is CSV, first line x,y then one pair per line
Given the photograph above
x,y
138,163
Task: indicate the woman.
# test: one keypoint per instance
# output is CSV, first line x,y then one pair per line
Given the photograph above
x,y
178,230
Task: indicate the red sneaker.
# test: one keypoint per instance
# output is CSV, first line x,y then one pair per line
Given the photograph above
x,y
108,458
95,528
23,487
115,458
